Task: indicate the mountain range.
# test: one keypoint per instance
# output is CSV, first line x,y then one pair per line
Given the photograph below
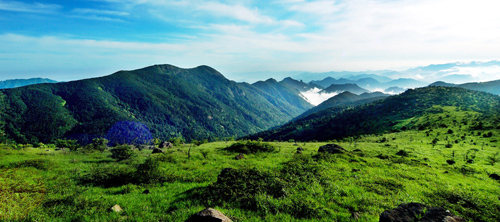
x,y
196,103
13,83
200,103
457,72
490,86
386,115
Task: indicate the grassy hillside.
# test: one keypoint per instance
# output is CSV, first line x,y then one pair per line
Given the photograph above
x,y
394,113
196,103
377,173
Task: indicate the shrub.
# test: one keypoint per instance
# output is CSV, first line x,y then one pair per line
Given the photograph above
x,y
177,141
493,158
250,146
451,162
487,135
243,185
99,144
121,152
403,153
40,164
149,171
109,175
71,144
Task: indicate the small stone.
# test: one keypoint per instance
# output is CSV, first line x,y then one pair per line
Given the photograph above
x,y
116,208
452,219
209,214
166,145
239,156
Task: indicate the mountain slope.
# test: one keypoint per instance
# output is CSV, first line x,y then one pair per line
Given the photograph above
x,y
13,83
491,86
299,85
194,103
367,82
392,113
280,91
353,88
344,99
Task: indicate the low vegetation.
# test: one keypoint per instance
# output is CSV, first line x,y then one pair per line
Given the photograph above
x,y
272,182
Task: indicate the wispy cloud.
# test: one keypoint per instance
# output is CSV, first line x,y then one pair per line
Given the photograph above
x,y
36,7
100,12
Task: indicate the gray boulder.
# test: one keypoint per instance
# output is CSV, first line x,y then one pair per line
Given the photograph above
x,y
209,215
165,145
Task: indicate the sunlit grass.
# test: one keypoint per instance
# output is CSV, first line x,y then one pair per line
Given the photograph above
x,y
41,185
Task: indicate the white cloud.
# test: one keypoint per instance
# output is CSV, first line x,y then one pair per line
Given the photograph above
x,y
238,12
100,12
314,96
36,7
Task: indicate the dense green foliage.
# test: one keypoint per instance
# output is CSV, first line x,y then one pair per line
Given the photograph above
x,y
249,146
196,103
394,113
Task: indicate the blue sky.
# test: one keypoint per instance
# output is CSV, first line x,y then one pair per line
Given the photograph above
x,y
243,39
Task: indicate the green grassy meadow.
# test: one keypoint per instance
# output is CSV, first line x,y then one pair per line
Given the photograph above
x,y
378,173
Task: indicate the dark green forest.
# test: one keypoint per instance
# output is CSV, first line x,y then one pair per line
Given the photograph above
x,y
198,103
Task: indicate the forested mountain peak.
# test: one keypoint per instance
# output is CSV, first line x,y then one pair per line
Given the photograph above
x,y
196,103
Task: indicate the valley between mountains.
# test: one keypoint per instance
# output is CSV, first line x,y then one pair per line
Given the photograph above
x,y
164,142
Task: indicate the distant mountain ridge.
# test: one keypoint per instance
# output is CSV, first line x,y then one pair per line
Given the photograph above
x,y
490,86
347,87
371,83
456,72
13,83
